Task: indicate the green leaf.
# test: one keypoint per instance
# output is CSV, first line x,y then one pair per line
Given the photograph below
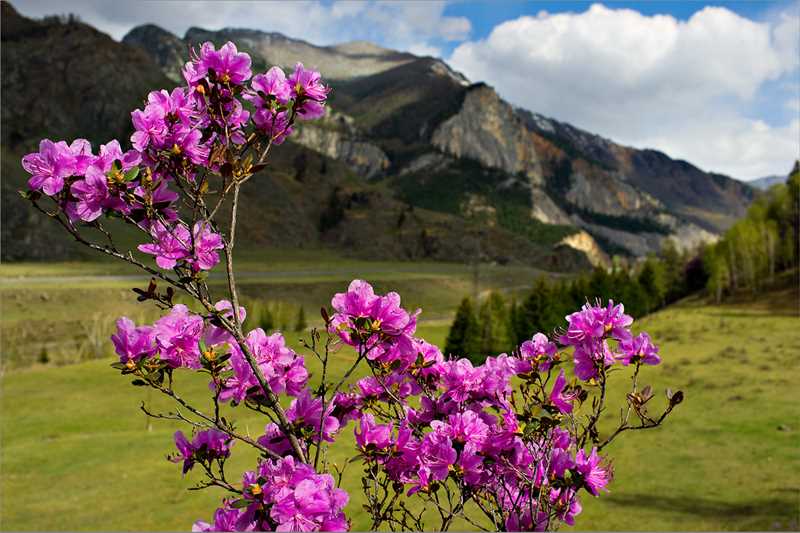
x,y
131,174
239,504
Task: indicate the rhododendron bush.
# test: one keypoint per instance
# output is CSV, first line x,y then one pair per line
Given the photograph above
x,y
512,444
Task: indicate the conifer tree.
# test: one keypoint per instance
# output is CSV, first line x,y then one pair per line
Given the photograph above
x,y
301,324
464,337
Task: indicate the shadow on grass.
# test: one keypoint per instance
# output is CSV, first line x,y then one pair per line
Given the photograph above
x,y
780,312
777,512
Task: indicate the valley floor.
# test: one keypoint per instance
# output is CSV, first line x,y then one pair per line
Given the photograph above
x,y
77,454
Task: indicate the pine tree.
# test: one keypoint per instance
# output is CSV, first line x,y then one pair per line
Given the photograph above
x,y
493,325
301,324
653,282
536,312
464,337
265,319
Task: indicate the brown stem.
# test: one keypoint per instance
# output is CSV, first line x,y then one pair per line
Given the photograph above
x,y
272,399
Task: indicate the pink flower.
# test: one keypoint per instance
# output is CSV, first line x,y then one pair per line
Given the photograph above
x,y
133,343
185,141
92,194
307,83
372,437
357,301
206,244
595,476
463,428
283,369
308,92
171,244
595,323
589,357
557,397
272,84
537,353
49,166
639,349
150,128
178,337
274,124
227,63
306,410
437,455
207,446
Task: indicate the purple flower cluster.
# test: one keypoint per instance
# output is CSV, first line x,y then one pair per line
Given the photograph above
x,y
283,495
376,325
133,343
86,185
590,331
176,136
174,340
453,423
174,243
283,369
206,446
464,426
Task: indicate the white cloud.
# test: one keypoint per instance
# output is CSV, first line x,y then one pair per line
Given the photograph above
x,y
396,24
651,81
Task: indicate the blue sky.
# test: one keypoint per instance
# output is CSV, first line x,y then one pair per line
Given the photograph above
x,y
715,83
486,15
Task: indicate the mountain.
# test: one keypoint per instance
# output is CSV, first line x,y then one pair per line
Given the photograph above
x,y
439,167
766,182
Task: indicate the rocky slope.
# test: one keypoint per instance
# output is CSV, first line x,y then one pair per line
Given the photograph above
x,y
343,61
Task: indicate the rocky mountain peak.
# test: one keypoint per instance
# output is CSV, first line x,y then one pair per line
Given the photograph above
x,y
169,51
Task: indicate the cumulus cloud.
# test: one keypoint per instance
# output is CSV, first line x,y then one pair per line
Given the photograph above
x,y
652,81
420,26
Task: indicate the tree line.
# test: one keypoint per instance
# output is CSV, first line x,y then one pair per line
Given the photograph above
x,y
762,244
497,324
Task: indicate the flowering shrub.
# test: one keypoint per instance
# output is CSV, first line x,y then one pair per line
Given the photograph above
x,y
511,444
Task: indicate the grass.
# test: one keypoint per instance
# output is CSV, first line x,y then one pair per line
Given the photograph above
x,y
78,455
39,321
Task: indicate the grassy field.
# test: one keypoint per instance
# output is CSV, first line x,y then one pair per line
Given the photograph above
x,y
77,454
39,321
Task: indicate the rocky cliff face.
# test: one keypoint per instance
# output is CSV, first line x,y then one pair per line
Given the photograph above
x,y
488,130
583,242
337,137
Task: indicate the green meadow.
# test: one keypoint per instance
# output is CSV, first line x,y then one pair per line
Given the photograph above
x,y
78,454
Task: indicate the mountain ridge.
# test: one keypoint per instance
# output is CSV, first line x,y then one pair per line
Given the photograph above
x,y
451,160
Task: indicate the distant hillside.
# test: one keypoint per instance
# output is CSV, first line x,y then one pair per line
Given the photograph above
x,y
443,169
766,182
